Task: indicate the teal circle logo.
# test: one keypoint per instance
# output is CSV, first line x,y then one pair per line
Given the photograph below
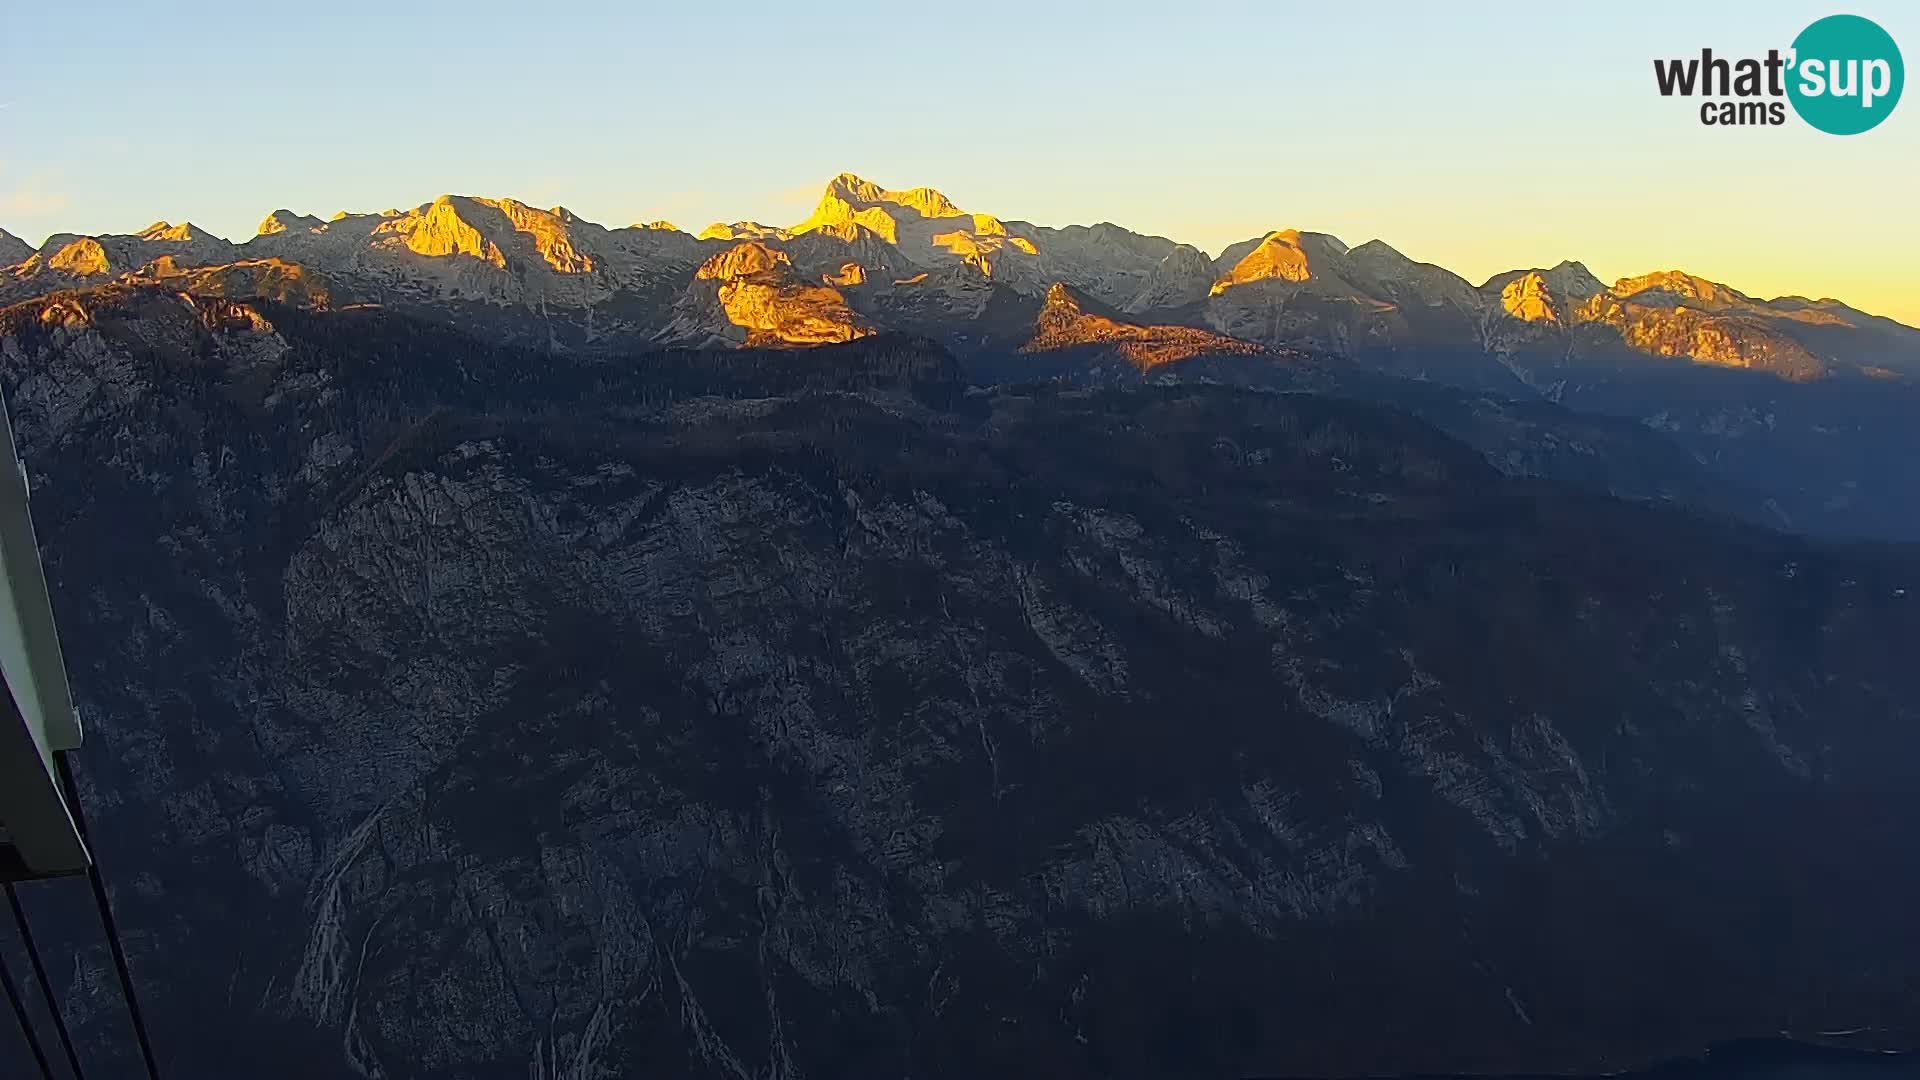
x,y
1846,75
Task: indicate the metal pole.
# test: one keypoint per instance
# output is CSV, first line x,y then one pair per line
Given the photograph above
x,y
106,919
26,1022
46,984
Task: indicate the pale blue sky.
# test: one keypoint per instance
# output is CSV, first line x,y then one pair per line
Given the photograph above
x,y
1502,136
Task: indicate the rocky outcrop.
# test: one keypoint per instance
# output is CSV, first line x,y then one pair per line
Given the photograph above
x,y
1705,337
1065,324
1542,296
750,293
82,257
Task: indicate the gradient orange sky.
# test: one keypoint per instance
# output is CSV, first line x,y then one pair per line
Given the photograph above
x,y
1482,139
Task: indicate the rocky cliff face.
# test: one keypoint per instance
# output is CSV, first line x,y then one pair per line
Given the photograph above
x,y
460,712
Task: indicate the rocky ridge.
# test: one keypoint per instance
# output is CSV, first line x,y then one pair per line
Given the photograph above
x,y
589,285
1797,400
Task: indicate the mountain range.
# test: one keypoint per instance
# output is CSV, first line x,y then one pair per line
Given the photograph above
x,y
868,258
1793,406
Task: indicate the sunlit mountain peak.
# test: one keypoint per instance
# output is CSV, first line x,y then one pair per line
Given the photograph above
x,y
1681,285
1283,255
183,233
281,221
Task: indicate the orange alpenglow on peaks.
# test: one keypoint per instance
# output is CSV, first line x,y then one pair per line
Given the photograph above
x,y
1064,324
744,230
438,230
463,225
747,257
281,221
1529,299
762,294
1545,296
922,222
84,256
1683,285
1281,255
182,233
850,191
850,200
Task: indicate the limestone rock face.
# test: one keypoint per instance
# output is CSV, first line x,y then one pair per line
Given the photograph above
x,y
1704,336
509,713
790,313
84,257
440,230
1530,299
1281,255
742,259
1667,314
751,294
1695,291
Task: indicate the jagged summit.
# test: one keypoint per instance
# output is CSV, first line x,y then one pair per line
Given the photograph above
x,y
1543,295
1567,276
1681,286
855,190
184,233
1285,255
284,220
850,200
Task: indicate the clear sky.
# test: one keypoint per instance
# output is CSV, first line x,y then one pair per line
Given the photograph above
x,y
1480,137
